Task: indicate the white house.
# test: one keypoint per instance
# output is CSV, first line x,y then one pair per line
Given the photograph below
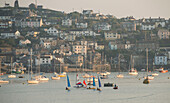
x,y
81,25
161,60
87,12
44,59
102,26
5,24
10,34
31,22
66,22
24,42
84,33
52,31
111,36
47,44
148,26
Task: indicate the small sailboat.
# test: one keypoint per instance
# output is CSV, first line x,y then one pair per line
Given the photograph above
x,y
119,75
11,75
99,89
133,71
68,83
78,83
84,83
161,70
155,74
1,80
94,84
146,80
32,81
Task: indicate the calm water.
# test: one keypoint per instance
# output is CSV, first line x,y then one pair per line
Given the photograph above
x,y
131,90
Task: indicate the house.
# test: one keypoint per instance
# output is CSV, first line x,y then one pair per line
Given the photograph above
x,y
163,34
128,45
19,51
158,21
30,22
111,36
70,37
113,45
87,12
161,59
52,31
43,60
102,26
99,46
80,49
84,33
148,26
9,34
24,42
5,24
5,14
81,25
129,26
67,22
142,45
76,58
46,44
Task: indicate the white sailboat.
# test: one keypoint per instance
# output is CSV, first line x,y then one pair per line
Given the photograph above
x,y
31,81
119,75
146,80
133,71
1,80
11,75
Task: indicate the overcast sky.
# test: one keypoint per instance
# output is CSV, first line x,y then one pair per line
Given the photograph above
x,y
118,8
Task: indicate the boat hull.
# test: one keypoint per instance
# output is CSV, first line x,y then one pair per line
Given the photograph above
x,y
11,76
33,82
4,81
55,78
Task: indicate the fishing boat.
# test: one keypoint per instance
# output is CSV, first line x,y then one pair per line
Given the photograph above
x,y
1,80
99,88
94,84
68,83
146,80
11,75
32,80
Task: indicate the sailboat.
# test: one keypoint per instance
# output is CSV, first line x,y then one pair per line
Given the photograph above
x,y
78,83
62,74
56,76
146,80
68,83
11,75
84,82
133,71
99,89
94,84
1,80
32,81
119,75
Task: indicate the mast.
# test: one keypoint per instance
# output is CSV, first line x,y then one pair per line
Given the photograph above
x,y
0,67
119,62
147,60
31,63
11,65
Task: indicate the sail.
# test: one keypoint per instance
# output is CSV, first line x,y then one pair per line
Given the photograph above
x,y
77,77
84,83
68,82
94,82
99,82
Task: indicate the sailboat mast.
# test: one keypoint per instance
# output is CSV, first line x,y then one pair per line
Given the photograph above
x,y
119,62
147,59
31,63
11,65
0,67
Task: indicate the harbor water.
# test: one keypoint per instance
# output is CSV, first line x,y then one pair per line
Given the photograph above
x,y
131,90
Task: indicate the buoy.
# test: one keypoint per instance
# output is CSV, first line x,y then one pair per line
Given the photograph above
x,y
168,77
139,78
23,83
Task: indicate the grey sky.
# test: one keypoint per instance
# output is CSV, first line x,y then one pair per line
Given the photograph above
x,y
118,8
